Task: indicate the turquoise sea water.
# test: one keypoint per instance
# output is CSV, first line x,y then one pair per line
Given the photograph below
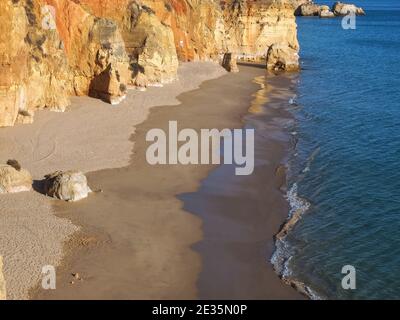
x,y
346,162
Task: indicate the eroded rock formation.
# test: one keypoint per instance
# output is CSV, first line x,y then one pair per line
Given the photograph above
x,y
342,9
229,62
253,27
33,64
326,13
281,57
95,50
52,49
309,8
149,41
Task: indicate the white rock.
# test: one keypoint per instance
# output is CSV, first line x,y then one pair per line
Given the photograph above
x,y
326,14
343,9
13,180
68,186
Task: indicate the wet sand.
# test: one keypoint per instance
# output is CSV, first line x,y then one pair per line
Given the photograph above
x,y
136,241
242,214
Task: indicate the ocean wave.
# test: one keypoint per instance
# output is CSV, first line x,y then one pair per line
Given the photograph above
x,y
296,203
293,100
310,160
283,253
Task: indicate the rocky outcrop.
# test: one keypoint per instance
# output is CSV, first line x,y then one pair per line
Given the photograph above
x,y
2,281
67,186
229,63
253,27
47,56
298,3
152,49
95,50
282,58
308,9
149,41
33,64
326,13
342,9
196,26
14,179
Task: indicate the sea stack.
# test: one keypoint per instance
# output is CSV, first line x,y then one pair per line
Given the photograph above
x,y
308,9
342,9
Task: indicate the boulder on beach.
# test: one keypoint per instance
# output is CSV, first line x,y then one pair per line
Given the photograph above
x,y
67,186
140,81
2,281
229,62
343,9
13,178
282,58
25,117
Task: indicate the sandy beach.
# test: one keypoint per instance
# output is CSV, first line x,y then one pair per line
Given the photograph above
x,y
89,136
134,240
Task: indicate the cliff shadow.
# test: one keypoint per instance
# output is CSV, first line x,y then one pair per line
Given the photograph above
x,y
252,64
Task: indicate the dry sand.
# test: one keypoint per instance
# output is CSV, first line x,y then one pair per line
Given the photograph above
x,y
136,240
90,136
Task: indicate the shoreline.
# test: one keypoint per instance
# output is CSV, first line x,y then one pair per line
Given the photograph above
x,y
282,254
242,214
143,239
297,208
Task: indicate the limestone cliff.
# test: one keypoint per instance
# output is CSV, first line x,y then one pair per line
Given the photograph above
x,y
149,42
32,62
205,29
254,26
95,51
51,49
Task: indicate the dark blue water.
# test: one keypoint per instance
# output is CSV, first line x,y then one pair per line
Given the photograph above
x,y
347,159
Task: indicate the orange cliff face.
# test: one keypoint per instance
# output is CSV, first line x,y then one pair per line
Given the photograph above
x,y
195,24
189,21
51,49
33,64
95,51
149,42
254,26
205,29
